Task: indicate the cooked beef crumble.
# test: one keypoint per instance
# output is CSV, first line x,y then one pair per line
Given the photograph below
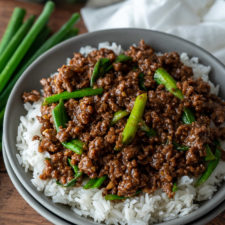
x,y
32,96
148,163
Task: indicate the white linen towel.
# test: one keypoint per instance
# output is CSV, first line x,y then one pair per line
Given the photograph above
x,y
199,21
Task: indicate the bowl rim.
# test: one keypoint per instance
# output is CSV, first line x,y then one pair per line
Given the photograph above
x,y
27,197
218,196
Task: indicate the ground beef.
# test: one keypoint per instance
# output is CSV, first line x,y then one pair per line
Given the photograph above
x,y
147,163
32,96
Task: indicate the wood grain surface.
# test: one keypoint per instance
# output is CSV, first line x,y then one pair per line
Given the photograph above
x,y
13,209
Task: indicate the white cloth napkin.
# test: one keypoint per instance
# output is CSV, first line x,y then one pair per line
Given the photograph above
x,y
200,21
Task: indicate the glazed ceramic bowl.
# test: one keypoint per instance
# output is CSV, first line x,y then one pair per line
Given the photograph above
x,y
54,58
28,198
58,220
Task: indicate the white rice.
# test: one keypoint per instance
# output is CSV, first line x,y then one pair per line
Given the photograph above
x,y
144,209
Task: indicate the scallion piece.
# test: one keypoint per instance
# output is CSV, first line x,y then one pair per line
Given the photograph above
x,y
118,116
122,58
76,94
175,188
101,67
95,182
134,119
141,82
73,146
149,131
162,77
210,168
188,116
111,197
60,118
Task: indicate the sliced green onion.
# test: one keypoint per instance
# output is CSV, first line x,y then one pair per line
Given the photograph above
x,y
123,58
73,146
69,184
210,168
149,131
162,77
76,170
136,114
188,116
101,67
141,82
95,182
111,197
175,188
209,155
76,94
118,116
180,147
59,115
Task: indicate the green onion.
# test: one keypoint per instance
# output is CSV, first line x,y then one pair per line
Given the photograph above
x,y
95,182
122,58
210,168
99,182
134,118
118,116
209,155
77,173
73,146
1,117
60,118
162,77
149,131
180,147
59,115
141,82
52,41
58,36
37,44
13,25
15,41
175,188
73,32
25,45
76,94
90,183
111,197
188,116
69,184
101,67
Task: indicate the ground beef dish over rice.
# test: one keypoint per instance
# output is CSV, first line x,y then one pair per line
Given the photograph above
x,y
149,164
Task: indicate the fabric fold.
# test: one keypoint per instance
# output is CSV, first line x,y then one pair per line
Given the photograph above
x,y
202,22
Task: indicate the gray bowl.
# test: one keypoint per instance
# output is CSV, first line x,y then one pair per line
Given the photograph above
x,y
54,58
58,220
28,198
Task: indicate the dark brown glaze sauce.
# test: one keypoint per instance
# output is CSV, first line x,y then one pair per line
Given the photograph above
x,y
147,163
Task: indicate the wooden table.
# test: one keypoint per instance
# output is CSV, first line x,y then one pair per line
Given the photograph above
x,y
13,209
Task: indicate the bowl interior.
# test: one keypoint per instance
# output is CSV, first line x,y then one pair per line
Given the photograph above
x,y
54,58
